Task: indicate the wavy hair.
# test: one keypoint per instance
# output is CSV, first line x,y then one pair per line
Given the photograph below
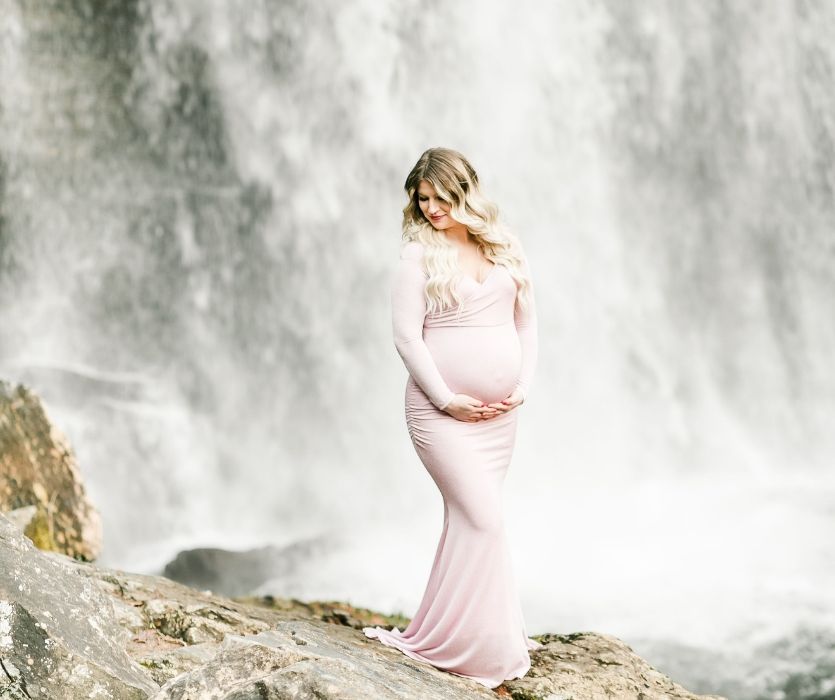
x,y
456,182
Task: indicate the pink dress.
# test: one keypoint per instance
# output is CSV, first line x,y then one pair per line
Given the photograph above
x,y
469,621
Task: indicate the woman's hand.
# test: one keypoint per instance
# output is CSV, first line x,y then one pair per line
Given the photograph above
x,y
514,399
466,408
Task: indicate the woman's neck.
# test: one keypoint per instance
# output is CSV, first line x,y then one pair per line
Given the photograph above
x,y
460,235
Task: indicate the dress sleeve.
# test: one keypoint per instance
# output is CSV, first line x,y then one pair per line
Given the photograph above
x,y
408,310
526,329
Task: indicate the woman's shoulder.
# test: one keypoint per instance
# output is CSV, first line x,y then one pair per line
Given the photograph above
x,y
412,250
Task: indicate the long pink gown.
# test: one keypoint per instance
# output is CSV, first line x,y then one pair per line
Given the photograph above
x,y
469,621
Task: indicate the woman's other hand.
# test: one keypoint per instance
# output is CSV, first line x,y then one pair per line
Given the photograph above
x,y
469,409
514,399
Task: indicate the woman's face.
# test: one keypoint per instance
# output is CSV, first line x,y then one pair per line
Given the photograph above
x,y
435,210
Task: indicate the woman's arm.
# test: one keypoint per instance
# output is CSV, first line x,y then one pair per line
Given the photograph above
x,y
408,308
526,329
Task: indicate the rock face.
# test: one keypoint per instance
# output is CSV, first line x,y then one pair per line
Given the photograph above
x,y
58,634
38,468
69,629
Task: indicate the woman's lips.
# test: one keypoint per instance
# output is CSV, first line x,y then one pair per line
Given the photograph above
x,y
437,218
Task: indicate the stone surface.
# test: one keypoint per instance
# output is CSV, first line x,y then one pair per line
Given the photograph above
x,y
592,666
38,468
59,636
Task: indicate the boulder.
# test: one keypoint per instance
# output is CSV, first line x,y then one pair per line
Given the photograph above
x,y
238,572
59,637
38,468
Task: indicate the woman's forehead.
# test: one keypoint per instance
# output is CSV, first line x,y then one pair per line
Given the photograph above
x,y
426,187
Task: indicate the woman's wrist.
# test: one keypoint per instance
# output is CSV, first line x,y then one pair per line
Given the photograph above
x,y
445,405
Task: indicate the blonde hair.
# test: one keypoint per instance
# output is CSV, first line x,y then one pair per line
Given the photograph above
x,y
456,182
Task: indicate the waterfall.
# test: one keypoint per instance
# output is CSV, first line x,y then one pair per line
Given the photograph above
x,y
200,206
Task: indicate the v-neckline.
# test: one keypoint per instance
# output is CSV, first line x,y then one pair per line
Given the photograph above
x,y
484,281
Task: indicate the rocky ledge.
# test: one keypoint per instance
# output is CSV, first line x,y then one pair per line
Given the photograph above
x,y
70,629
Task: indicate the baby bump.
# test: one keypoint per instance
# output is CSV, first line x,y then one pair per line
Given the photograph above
x,y
482,361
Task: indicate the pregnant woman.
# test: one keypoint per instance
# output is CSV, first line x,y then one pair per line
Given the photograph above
x,y
464,324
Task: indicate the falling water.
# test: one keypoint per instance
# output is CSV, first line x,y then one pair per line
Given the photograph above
x,y
199,206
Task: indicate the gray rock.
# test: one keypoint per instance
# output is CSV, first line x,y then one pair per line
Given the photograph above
x,y
22,517
237,573
309,659
59,637
595,666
